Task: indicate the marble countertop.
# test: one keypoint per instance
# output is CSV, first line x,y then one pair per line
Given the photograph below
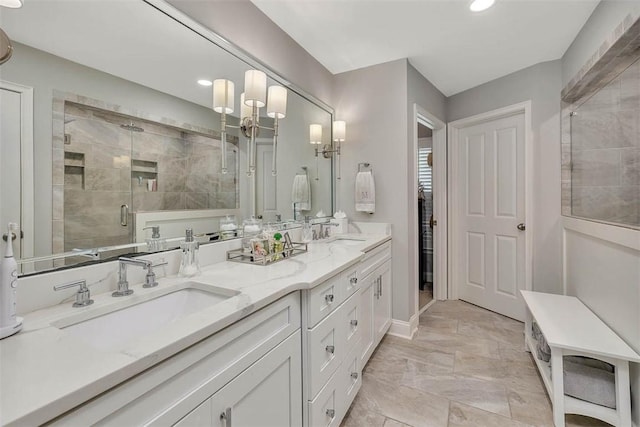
x,y
46,371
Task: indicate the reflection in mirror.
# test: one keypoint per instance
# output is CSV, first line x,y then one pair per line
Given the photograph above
x,y
106,133
601,135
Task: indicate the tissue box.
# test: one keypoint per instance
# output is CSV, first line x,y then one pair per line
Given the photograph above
x,y
342,225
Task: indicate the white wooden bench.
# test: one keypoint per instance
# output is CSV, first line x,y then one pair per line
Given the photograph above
x,y
571,329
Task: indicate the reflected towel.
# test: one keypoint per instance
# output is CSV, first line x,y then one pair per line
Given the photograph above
x,y
301,193
365,192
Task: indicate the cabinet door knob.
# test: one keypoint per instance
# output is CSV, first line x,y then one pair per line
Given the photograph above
x,y
328,298
330,349
353,280
331,413
354,375
354,322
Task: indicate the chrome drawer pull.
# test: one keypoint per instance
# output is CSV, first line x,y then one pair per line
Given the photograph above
x,y
354,375
331,413
331,349
353,280
328,298
354,322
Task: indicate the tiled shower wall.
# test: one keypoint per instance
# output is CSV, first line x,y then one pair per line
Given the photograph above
x,y
107,166
605,152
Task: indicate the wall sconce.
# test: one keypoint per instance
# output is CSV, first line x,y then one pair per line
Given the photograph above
x,y
339,135
12,4
251,100
223,97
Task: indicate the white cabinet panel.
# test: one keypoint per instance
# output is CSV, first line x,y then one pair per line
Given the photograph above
x,y
200,417
268,394
382,309
368,295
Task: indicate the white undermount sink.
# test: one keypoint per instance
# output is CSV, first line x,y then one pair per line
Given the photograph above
x,y
118,329
347,241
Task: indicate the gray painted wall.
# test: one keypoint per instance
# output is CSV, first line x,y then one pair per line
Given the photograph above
x,y
541,84
377,134
240,22
604,19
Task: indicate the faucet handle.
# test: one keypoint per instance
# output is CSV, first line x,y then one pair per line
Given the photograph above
x,y
83,296
150,279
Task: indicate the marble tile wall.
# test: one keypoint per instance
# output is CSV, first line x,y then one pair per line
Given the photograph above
x,y
604,152
106,166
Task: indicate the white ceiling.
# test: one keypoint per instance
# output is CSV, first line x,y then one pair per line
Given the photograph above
x,y
451,46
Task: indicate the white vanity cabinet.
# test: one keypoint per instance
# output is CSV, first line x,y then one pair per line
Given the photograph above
x,y
266,394
249,371
331,343
375,298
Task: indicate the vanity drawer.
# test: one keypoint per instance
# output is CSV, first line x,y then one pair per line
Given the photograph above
x,y
326,410
351,281
326,348
350,373
374,258
323,299
351,322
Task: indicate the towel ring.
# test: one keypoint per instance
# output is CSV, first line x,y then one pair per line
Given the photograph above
x,y
362,167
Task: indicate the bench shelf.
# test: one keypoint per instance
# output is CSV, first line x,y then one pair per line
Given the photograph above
x,y
571,329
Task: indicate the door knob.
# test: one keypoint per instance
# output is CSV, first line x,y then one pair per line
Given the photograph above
x,y
521,226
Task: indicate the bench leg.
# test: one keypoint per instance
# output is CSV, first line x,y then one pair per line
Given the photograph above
x,y
558,386
623,398
528,322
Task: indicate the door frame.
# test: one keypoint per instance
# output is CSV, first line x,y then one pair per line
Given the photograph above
x,y
27,184
440,258
454,167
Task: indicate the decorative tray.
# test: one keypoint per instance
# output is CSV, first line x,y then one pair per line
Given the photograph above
x,y
294,249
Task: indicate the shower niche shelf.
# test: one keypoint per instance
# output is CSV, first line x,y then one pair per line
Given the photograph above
x,y
144,170
74,171
144,166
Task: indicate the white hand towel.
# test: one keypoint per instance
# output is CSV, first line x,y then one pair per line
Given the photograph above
x,y
365,192
301,193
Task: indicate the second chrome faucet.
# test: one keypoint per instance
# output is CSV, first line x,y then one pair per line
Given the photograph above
x,y
123,284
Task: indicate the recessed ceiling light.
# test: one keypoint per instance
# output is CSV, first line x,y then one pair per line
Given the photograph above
x,y
204,82
480,5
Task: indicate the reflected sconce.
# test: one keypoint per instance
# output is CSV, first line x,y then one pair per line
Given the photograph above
x,y
223,97
339,136
253,98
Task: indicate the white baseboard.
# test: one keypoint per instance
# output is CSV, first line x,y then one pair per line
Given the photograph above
x,y
402,329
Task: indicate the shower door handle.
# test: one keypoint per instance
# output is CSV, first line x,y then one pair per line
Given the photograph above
x,y
124,215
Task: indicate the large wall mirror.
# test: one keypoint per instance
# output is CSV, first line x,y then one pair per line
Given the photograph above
x,y
601,134
106,132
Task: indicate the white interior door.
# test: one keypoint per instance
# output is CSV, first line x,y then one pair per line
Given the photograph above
x,y
10,177
491,255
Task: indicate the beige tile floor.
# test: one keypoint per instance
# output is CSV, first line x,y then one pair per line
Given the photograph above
x,y
466,367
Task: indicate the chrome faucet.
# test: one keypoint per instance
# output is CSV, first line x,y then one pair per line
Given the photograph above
x,y
83,296
123,284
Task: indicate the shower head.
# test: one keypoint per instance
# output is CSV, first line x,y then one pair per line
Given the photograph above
x,y
131,127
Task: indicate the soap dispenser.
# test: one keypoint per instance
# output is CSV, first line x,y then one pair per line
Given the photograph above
x,y
189,265
9,323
